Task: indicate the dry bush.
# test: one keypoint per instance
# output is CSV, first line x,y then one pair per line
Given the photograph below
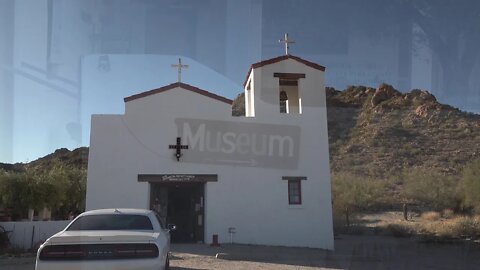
x,y
448,213
462,227
427,228
400,229
430,216
432,228
455,228
340,225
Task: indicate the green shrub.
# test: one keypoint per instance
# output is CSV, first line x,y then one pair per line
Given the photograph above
x,y
351,193
433,190
471,184
59,188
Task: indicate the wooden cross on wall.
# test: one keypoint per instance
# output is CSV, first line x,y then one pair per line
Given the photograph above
x,y
178,147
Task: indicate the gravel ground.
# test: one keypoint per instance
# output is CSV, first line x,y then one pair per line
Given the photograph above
x,y
359,252
17,263
351,252
236,257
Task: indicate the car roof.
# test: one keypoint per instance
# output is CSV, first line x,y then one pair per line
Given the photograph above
x,y
117,211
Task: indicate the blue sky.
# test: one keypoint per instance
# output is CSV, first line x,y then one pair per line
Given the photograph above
x,y
63,61
133,74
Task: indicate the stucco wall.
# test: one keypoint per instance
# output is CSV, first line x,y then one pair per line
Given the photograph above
x,y
123,146
250,197
29,234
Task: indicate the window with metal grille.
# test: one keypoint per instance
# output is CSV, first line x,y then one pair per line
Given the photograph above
x,y
294,192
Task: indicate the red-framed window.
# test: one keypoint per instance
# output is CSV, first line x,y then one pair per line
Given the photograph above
x,y
294,192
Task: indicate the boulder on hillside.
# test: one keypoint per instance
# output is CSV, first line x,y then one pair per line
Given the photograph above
x,y
420,96
356,92
423,110
352,96
384,92
330,92
370,90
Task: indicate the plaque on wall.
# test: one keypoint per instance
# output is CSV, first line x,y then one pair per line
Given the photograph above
x,y
167,178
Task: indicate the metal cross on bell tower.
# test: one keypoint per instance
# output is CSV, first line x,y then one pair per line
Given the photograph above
x,y
286,41
179,66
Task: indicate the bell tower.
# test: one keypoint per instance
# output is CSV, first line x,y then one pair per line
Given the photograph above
x,y
283,86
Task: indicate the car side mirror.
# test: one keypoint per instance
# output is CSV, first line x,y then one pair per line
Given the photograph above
x,y
171,227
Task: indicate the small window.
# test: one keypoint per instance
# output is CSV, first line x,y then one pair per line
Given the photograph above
x,y
294,192
283,102
289,95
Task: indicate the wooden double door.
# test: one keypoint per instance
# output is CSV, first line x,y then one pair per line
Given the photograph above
x,y
182,204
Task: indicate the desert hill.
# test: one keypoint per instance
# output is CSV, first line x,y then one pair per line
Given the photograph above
x,y
380,132
372,132
77,158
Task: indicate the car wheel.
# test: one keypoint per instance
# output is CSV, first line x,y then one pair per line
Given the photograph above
x,y
167,263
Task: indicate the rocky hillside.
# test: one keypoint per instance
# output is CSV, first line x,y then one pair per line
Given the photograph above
x,y
77,158
380,132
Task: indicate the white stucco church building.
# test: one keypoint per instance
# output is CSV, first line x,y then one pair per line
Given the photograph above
x,y
260,179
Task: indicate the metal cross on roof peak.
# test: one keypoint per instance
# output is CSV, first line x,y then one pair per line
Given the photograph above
x,y
286,41
179,67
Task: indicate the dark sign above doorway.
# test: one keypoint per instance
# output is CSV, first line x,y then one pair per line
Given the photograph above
x,y
166,178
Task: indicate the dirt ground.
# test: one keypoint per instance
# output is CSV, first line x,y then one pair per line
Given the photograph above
x,y
351,252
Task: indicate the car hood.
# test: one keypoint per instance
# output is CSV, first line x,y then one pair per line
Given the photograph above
x,y
102,237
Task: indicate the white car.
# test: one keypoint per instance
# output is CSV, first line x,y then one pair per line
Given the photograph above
x,y
117,239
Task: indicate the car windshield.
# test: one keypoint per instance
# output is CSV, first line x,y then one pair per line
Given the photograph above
x,y
111,222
